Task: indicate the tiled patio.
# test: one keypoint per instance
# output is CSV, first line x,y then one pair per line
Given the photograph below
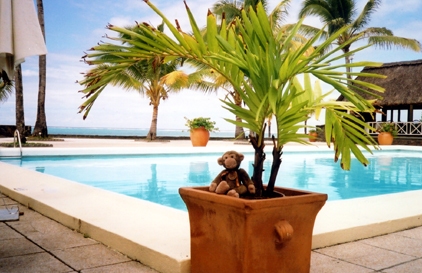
x,y
36,243
399,252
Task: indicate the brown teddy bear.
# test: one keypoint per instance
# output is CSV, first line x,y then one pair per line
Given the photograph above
x,y
232,181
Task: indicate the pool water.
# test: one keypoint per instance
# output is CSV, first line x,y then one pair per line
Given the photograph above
x,y
157,178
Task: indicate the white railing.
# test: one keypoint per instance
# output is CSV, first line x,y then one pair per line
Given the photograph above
x,y
403,128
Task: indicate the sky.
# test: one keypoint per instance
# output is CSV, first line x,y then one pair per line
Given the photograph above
x,y
74,26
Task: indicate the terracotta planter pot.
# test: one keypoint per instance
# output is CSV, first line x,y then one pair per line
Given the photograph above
x,y
313,137
249,236
385,138
199,136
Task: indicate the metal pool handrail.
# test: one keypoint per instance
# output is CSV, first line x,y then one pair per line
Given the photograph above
x,y
19,140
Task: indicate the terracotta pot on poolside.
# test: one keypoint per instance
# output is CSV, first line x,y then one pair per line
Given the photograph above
x,y
313,136
249,235
385,138
199,136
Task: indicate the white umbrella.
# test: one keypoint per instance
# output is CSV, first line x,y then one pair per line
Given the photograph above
x,y
20,34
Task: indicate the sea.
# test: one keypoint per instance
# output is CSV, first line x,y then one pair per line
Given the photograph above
x,y
127,132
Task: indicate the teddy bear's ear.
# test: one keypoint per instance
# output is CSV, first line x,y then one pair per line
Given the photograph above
x,y
220,161
241,156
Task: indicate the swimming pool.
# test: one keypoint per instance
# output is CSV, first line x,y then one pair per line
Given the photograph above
x,y
157,178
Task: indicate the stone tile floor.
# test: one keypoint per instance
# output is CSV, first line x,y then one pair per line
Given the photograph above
x,y
36,243
399,252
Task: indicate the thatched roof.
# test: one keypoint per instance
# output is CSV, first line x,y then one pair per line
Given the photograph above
x,y
403,85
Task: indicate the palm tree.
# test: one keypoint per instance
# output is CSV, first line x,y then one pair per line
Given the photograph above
x,y
6,89
232,9
40,128
151,78
154,77
339,13
20,113
217,82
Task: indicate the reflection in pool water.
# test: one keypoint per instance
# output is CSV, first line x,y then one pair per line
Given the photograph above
x,y
157,178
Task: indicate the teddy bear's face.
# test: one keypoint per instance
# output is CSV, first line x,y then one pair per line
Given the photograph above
x,y
231,160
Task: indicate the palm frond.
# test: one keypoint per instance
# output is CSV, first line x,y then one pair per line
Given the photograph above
x,y
389,42
176,79
6,86
316,8
280,12
6,91
310,31
376,31
364,17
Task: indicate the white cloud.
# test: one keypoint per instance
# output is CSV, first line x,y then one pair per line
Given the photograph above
x,y
122,21
29,73
403,6
409,30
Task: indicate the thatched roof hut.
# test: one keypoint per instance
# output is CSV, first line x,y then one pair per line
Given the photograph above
x,y
403,85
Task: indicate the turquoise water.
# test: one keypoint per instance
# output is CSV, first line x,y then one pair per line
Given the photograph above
x,y
139,132
157,178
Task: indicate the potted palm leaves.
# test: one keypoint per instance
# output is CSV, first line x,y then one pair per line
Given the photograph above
x,y
273,74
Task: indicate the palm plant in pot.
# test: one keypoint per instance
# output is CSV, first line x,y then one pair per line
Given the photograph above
x,y
264,233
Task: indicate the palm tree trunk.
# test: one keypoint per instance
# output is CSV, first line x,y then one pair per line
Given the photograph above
x,y
239,131
20,113
41,122
306,128
152,134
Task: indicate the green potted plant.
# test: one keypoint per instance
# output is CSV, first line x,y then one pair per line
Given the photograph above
x,y
200,129
387,132
272,74
313,135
